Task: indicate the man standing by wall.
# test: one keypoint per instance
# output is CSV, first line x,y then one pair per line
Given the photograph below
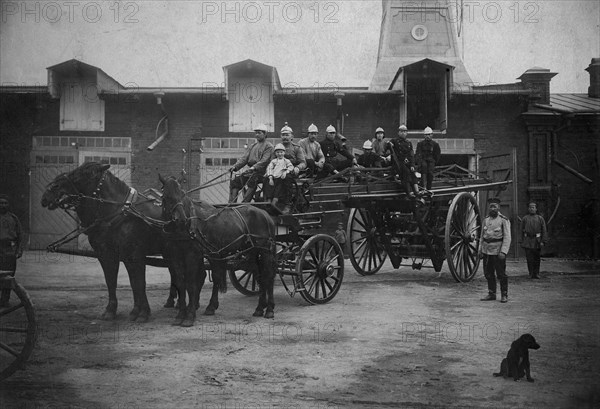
x,y
11,244
427,156
533,237
494,247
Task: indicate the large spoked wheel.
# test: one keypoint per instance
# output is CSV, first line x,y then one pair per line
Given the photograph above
x,y
367,253
319,269
244,281
17,332
463,234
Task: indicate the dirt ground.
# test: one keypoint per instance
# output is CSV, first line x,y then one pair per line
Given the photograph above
x,y
408,339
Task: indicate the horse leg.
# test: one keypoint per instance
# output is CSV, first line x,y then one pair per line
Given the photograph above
x,y
219,271
267,268
137,279
260,278
178,268
195,274
110,266
173,292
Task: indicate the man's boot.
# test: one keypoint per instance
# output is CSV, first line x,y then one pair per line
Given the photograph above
x,y
504,297
489,297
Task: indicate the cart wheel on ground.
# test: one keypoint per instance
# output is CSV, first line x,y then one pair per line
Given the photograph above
x,y
367,252
463,233
319,269
244,281
17,329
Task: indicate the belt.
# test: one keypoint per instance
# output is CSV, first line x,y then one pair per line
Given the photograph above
x,y
493,240
529,235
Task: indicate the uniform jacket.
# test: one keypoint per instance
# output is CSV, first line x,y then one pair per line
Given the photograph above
x,y
379,147
496,235
11,234
332,148
533,231
428,150
279,168
312,150
403,149
295,154
369,160
258,155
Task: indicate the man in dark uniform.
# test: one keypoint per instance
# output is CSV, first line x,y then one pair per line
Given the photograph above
x,y
296,155
256,157
331,148
494,247
369,159
427,156
533,237
403,160
11,244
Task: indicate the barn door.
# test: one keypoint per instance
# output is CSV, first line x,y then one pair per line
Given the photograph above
x,y
499,167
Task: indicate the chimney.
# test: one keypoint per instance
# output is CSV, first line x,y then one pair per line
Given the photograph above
x,y
537,80
594,70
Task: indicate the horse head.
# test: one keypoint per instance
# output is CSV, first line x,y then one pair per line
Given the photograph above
x,y
175,204
66,190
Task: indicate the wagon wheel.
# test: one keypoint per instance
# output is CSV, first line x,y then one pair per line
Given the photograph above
x,y
17,333
463,233
319,269
244,281
367,252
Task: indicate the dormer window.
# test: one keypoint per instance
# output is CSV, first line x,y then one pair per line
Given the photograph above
x,y
424,103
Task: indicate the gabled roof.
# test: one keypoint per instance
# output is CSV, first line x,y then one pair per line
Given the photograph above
x,y
74,68
421,63
251,65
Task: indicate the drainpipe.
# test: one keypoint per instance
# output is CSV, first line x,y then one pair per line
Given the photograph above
x,y
340,112
164,119
555,147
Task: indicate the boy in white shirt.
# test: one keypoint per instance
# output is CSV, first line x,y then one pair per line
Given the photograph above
x,y
276,173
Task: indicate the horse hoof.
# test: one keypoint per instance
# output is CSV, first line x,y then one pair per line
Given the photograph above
x,y
187,323
258,313
177,322
143,318
269,314
169,304
209,311
108,316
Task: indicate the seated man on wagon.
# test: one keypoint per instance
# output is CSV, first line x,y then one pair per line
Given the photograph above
x,y
379,146
256,157
369,159
295,154
312,151
276,175
403,161
331,148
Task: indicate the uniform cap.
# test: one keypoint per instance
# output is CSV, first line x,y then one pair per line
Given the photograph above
x,y
428,131
494,200
261,127
403,128
380,129
368,144
313,128
286,129
279,147
330,128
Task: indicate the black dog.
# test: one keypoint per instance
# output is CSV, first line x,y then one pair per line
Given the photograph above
x,y
516,363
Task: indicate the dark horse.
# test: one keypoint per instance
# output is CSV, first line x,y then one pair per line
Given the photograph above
x,y
228,234
120,224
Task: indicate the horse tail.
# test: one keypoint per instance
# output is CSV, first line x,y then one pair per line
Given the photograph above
x,y
220,280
